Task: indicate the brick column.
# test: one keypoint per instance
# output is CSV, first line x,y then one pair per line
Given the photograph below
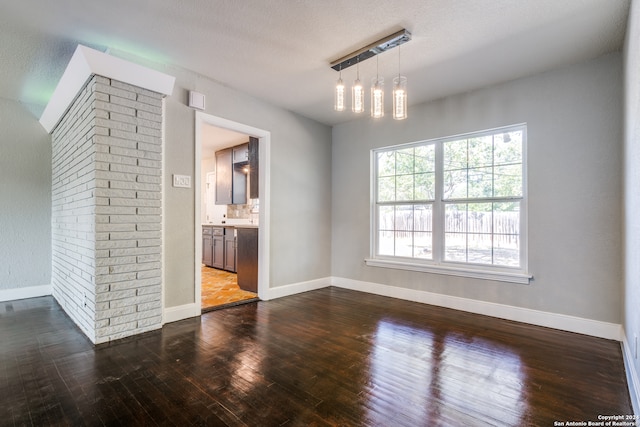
x,y
107,239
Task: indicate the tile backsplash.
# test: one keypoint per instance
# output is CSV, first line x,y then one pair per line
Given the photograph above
x,y
238,211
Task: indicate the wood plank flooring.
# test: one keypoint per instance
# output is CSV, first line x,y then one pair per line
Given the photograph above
x,y
330,357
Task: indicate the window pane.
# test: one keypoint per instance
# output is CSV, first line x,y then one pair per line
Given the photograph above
x,y
479,249
422,218
404,161
385,243
456,218
508,181
386,218
425,160
479,218
387,189
425,186
507,148
480,182
481,151
455,247
506,218
455,184
386,163
506,240
455,155
404,187
404,243
506,250
423,245
480,227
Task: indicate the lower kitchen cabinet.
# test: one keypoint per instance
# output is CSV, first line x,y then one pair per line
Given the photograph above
x,y
219,247
229,249
247,259
213,246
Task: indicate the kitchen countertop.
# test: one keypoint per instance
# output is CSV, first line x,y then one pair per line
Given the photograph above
x,y
232,225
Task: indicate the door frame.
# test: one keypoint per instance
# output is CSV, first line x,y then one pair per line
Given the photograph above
x,y
264,137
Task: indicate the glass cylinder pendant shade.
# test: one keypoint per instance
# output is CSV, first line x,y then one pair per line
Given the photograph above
x,y
400,98
357,92
377,97
339,98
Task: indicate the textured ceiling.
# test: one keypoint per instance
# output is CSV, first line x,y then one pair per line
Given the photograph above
x,y
280,50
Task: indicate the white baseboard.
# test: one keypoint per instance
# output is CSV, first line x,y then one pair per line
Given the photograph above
x,y
296,288
563,322
180,312
633,380
22,293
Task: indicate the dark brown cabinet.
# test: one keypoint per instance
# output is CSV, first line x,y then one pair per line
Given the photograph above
x,y
241,153
219,247
247,259
231,175
229,249
213,246
254,168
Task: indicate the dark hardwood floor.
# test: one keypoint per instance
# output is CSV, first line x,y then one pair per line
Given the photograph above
x,y
330,357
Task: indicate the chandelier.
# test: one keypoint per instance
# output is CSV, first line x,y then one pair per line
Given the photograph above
x,y
399,96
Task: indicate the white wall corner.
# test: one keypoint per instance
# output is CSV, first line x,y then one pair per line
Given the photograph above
x,y
23,293
180,312
86,62
562,322
633,380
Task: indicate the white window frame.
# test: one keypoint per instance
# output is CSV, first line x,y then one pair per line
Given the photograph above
x,y
438,265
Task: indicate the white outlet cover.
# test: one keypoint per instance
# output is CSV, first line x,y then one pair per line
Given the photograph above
x,y
182,181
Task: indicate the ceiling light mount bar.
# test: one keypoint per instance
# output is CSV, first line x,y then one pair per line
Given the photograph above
x,y
375,48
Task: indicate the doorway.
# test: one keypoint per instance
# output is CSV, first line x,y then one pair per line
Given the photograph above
x,y
216,271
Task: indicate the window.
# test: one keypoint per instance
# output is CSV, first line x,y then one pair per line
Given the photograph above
x,y
453,205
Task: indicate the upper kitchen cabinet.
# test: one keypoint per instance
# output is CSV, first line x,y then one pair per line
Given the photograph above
x,y
241,153
254,167
224,177
231,175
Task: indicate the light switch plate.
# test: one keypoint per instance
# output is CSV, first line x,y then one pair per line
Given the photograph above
x,y
182,181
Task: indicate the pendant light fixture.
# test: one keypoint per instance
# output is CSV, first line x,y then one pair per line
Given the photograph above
x,y
357,93
399,95
377,83
377,95
339,94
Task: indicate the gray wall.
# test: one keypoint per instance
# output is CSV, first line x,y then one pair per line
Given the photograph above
x,y
300,233
25,199
632,187
574,183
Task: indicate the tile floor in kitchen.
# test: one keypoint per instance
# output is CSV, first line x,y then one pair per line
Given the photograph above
x,y
220,289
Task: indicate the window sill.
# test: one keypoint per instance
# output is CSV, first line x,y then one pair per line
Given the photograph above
x,y
475,273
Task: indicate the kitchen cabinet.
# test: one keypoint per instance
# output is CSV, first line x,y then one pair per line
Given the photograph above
x,y
224,177
230,249
241,153
219,247
247,258
239,196
254,168
231,175
213,246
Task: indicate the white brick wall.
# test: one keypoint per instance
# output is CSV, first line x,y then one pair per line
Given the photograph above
x,y
107,236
